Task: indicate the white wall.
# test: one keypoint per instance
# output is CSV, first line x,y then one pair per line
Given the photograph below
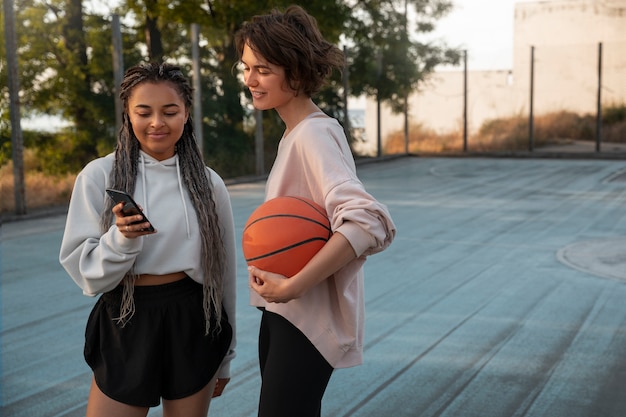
x,y
565,34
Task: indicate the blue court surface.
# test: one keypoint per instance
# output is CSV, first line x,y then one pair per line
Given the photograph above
x,y
503,295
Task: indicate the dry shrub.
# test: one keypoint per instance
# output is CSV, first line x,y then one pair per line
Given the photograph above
x,y
500,134
41,190
512,134
423,140
552,127
615,133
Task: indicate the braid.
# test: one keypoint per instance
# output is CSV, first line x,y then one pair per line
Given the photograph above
x,y
195,179
124,173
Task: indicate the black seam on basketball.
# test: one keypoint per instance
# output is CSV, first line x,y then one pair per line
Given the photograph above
x,y
294,216
286,248
323,213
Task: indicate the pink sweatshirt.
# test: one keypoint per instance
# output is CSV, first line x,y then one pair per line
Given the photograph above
x,y
314,161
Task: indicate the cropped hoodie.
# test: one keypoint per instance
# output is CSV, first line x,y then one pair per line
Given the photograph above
x,y
314,161
98,262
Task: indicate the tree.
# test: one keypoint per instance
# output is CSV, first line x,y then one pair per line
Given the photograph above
x,y
5,123
228,138
388,61
228,106
66,73
165,24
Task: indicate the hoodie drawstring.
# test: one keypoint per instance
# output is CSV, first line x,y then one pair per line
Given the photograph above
x,y
143,185
180,189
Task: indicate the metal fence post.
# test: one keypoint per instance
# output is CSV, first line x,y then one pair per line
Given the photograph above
x,y
599,104
465,101
17,139
531,116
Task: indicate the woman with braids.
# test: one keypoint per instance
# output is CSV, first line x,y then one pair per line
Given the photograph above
x,y
164,325
312,322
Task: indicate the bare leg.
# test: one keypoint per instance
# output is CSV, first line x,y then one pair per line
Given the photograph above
x,y
196,405
99,405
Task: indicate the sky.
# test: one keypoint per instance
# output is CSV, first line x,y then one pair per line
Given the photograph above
x,y
484,28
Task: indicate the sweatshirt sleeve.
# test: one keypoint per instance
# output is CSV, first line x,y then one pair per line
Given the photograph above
x,y
96,262
227,226
360,218
356,214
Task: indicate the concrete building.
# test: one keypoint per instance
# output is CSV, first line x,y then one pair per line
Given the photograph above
x,y
565,34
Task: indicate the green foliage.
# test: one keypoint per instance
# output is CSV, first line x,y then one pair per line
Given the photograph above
x,y
229,146
4,79
614,114
68,72
5,137
383,45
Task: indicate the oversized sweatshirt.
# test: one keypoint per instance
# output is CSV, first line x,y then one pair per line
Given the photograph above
x,y
97,262
314,161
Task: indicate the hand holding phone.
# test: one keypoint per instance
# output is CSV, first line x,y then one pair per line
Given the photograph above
x,y
130,207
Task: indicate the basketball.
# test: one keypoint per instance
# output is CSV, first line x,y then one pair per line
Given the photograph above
x,y
284,233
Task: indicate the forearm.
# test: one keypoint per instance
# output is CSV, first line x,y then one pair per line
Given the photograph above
x,y
333,256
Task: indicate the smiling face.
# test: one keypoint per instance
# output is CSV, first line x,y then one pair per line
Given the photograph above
x,y
265,81
158,116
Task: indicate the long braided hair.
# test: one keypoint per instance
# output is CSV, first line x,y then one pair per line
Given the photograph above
x,y
194,175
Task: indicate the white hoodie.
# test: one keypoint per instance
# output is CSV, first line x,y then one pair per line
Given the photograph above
x,y
98,262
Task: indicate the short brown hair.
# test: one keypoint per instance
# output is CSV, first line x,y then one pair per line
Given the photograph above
x,y
292,40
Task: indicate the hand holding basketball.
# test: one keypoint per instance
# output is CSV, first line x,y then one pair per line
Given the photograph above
x,y
274,288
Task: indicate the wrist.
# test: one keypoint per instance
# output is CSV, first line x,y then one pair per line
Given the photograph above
x,y
296,286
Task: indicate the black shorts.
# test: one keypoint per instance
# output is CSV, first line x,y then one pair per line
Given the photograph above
x,y
161,352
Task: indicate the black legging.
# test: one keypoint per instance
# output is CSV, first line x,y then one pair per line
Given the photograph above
x,y
294,374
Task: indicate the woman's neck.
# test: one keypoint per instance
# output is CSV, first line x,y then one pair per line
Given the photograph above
x,y
296,111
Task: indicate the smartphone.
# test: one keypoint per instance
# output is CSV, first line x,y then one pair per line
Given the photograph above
x,y
130,207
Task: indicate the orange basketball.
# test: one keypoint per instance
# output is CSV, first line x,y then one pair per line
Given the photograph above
x,y
284,233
